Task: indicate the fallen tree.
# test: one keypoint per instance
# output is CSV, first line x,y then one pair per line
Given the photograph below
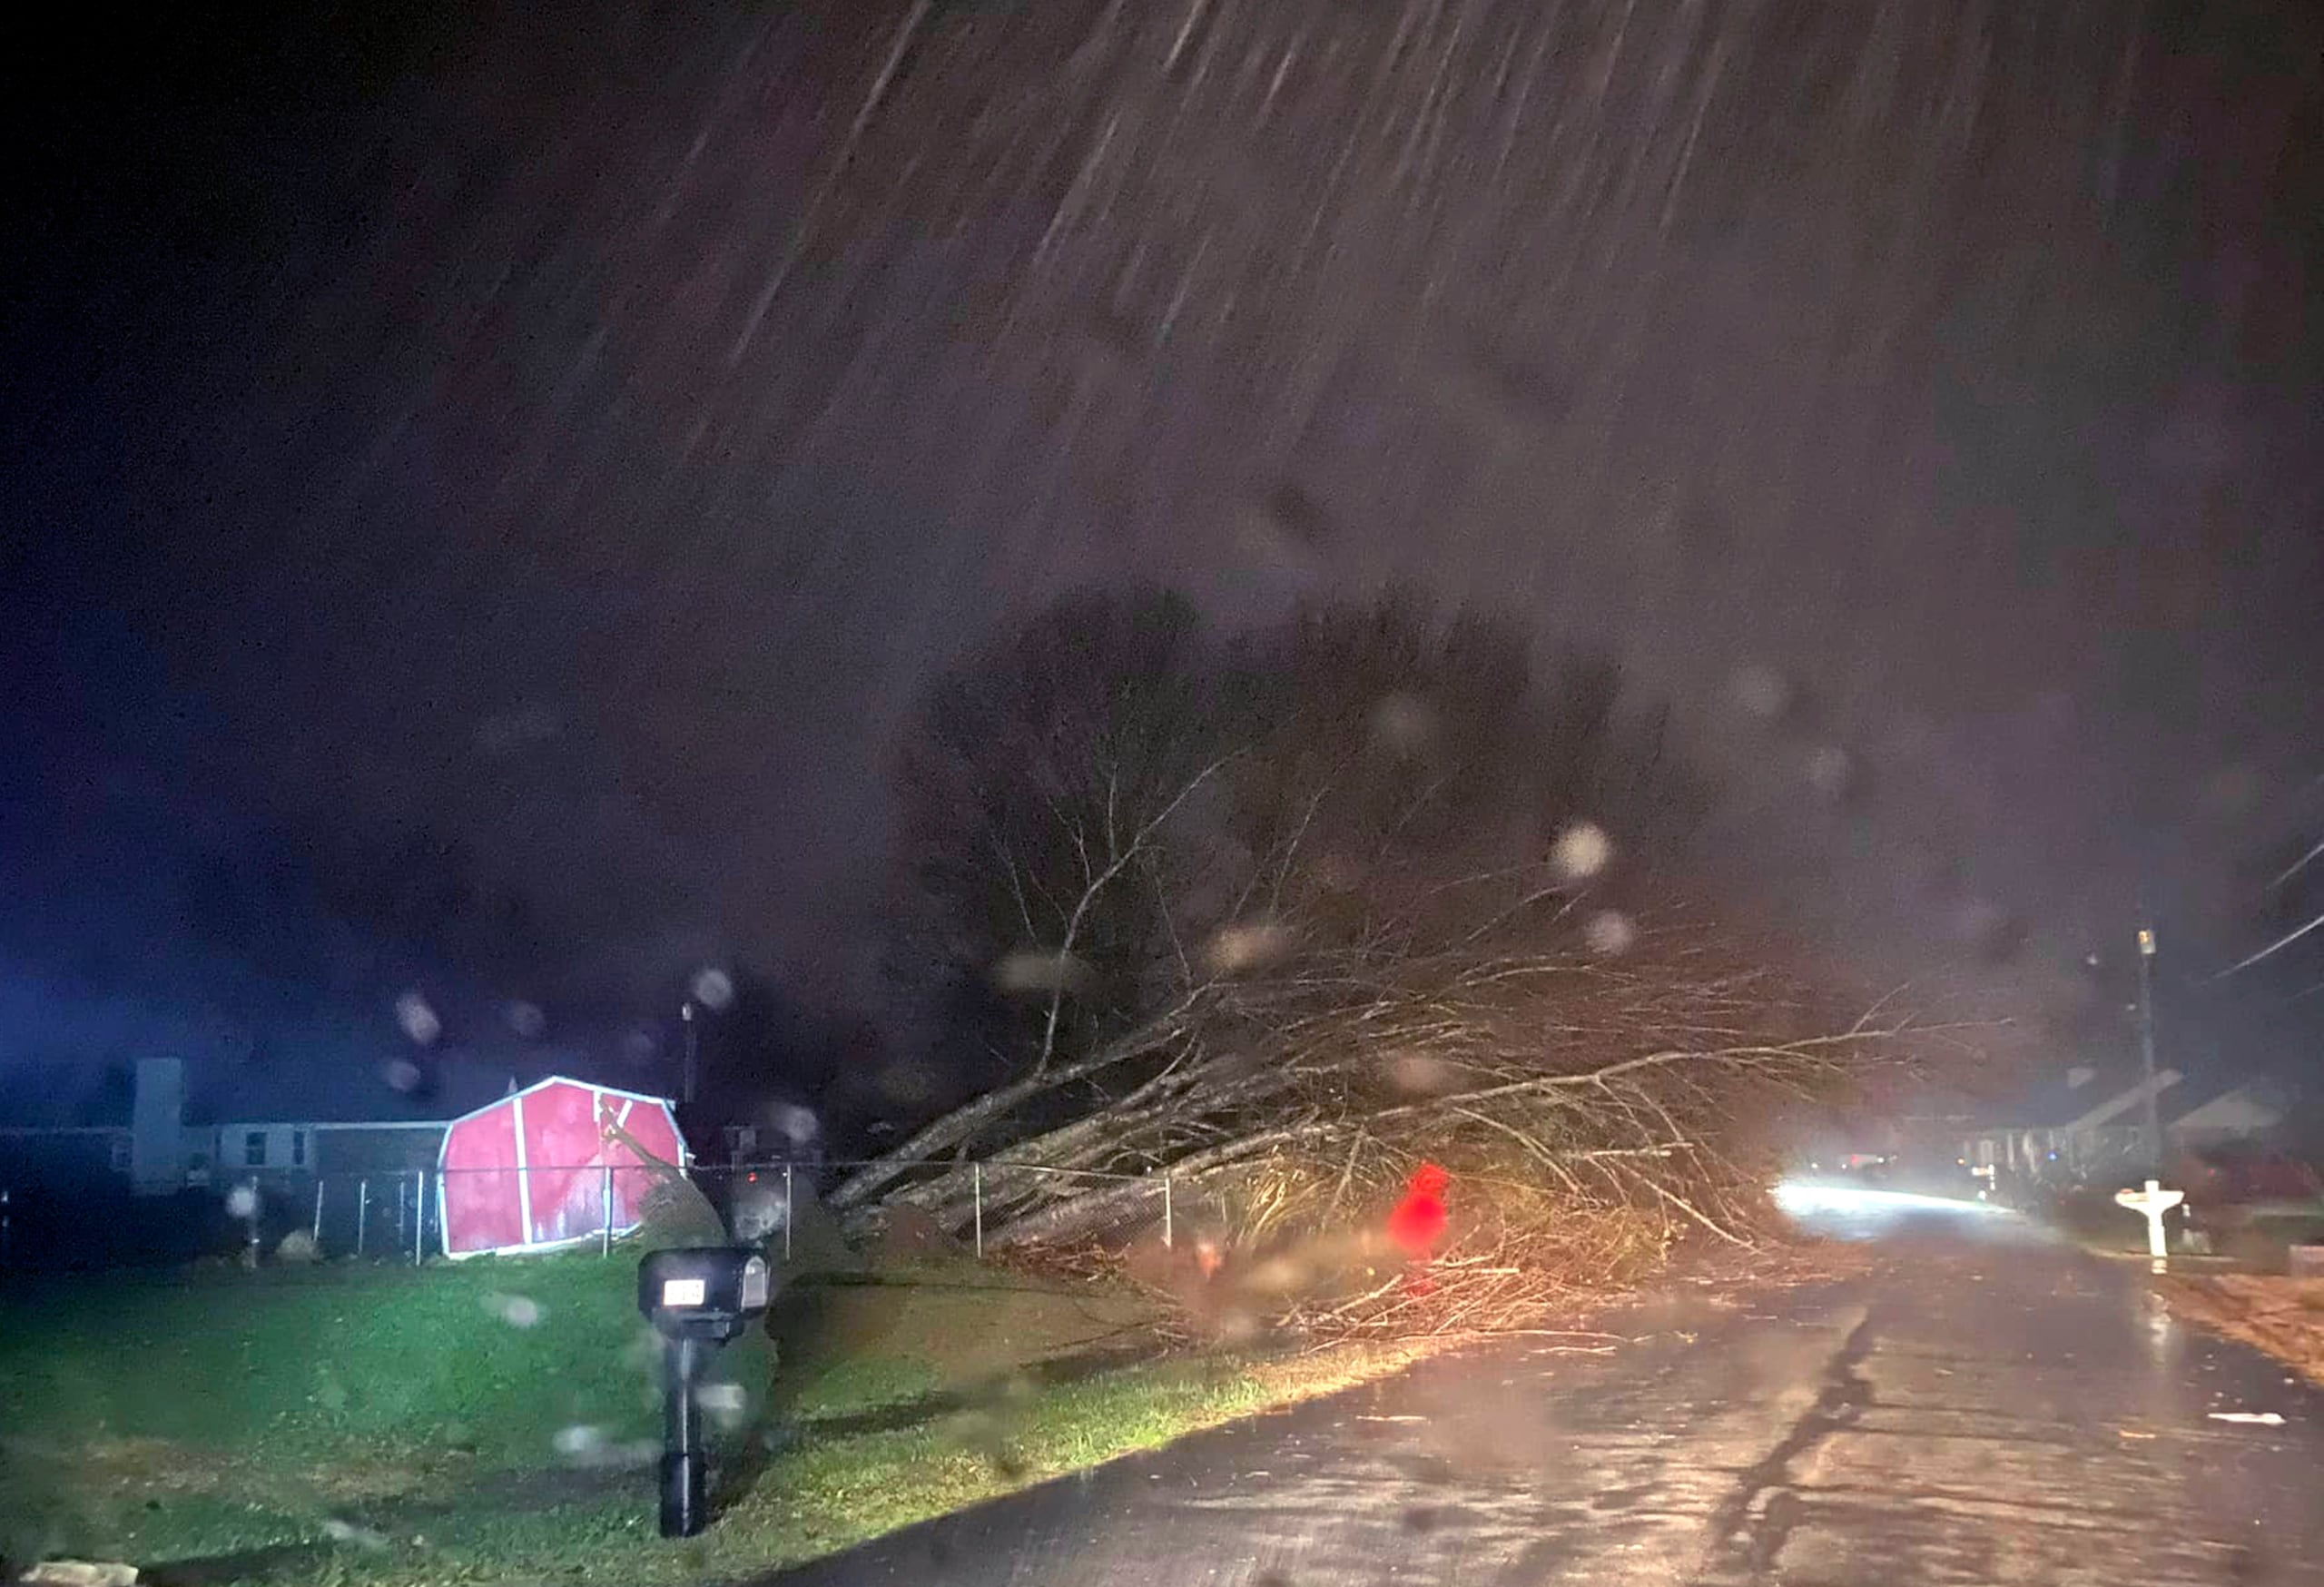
x,y
1282,932
1613,1081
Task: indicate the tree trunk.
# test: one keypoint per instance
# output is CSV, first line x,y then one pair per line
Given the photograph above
x,y
964,1121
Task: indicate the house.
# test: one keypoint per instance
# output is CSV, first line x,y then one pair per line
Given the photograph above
x,y
176,1125
283,1121
63,1123
2251,1110
2085,1119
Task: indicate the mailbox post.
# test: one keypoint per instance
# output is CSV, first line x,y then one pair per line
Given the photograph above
x,y
697,1298
2153,1201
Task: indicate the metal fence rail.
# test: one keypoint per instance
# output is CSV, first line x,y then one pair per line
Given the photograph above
x,y
765,1197
397,1214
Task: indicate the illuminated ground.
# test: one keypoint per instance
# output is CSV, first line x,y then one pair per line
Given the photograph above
x,y
1990,1406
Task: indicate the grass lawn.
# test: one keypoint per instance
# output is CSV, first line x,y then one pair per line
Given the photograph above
x,y
2259,1237
495,1422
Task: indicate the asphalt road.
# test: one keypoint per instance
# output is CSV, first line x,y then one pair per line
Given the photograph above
x,y
1988,1408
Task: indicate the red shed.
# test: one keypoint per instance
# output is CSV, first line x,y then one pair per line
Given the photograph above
x,y
538,1170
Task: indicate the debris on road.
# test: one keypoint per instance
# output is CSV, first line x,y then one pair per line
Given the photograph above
x,y
2250,1418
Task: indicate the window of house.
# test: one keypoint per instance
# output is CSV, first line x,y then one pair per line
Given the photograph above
x,y
254,1149
298,1149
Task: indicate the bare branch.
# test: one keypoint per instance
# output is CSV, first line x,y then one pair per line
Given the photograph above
x,y
1097,884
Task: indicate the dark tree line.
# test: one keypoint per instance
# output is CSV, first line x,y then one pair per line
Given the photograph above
x,y
1091,803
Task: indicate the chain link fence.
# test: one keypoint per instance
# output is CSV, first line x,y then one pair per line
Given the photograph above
x,y
397,1214
1016,1205
985,1207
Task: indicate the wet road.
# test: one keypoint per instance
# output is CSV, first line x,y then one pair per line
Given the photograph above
x,y
1989,1407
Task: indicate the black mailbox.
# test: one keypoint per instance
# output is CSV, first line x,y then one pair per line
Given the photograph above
x,y
710,1293
697,1298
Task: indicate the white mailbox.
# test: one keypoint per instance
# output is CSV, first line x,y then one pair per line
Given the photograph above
x,y
2153,1201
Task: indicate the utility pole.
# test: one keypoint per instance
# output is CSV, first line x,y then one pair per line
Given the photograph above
x,y
686,1087
2146,1043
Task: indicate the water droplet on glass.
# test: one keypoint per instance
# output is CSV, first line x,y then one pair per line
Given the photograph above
x,y
1235,949
1831,771
1760,691
1609,931
416,1019
906,1083
518,1311
579,1441
347,1531
1418,1074
1402,723
714,989
1033,970
727,1402
1581,851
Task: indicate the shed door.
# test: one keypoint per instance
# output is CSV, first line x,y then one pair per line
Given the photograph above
x,y
483,1201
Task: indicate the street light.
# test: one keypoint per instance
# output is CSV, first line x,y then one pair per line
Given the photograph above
x,y
711,991
2146,1043
685,1081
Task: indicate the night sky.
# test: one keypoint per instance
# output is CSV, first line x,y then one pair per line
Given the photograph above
x,y
484,493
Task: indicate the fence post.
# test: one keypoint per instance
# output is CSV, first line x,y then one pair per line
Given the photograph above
x,y
606,1210
318,1230
363,1212
418,1213
788,1208
976,1184
1167,1232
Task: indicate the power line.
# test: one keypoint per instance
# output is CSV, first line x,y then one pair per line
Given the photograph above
x,y
2285,940
2297,866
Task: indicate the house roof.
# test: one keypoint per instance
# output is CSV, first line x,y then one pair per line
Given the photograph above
x,y
439,1086
2070,1094
2253,1103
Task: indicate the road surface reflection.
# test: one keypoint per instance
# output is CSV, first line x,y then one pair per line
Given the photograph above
x,y
1856,1213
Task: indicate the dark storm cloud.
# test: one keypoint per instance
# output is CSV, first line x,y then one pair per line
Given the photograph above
x,y
581,441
